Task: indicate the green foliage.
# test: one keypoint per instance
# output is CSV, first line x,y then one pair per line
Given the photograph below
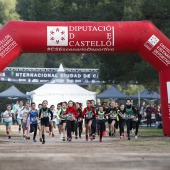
x,y
8,11
25,9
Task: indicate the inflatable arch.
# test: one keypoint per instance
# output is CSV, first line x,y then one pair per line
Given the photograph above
x,y
140,37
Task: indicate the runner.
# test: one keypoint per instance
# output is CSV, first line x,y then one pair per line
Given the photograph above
x,y
7,115
79,122
112,114
94,123
122,121
100,122
88,114
39,124
137,121
14,116
104,104
44,114
71,115
33,117
62,119
25,122
18,112
53,122
130,113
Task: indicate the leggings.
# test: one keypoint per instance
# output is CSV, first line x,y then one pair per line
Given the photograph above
x,y
70,128
80,125
100,126
129,124
33,128
93,126
137,127
76,126
121,126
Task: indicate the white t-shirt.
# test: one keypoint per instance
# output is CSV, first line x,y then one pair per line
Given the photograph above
x,y
24,113
18,111
8,114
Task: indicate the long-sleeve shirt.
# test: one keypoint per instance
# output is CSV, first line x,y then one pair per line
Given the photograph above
x,y
87,110
71,110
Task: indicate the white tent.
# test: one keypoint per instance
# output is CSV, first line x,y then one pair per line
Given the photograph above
x,y
56,93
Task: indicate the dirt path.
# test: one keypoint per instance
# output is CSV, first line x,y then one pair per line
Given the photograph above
x,y
147,153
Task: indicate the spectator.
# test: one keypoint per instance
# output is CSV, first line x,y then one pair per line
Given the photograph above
x,y
148,115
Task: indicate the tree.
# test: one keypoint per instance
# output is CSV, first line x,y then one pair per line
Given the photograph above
x,y
25,8
8,11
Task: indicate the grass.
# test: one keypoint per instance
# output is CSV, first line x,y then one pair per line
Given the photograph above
x,y
150,131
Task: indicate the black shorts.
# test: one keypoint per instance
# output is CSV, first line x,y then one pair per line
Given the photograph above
x,y
110,121
62,121
87,121
45,121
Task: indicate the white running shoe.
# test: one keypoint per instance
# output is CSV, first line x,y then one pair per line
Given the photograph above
x,y
136,137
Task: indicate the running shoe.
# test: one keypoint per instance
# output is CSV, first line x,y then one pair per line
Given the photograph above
x,y
87,138
136,137
24,137
9,137
40,139
121,137
34,140
43,142
93,136
100,140
69,139
28,137
76,137
19,131
104,133
64,139
128,138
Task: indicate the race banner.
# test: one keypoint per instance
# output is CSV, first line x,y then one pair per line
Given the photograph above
x,y
50,75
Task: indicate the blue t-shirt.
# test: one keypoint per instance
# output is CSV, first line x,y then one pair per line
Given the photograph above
x,y
33,116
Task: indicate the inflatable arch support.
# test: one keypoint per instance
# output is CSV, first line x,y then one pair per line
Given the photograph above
x,y
140,37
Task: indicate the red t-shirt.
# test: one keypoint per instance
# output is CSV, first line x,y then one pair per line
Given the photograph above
x,y
71,110
89,108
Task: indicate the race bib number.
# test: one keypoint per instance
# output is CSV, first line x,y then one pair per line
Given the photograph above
x,y
69,116
34,119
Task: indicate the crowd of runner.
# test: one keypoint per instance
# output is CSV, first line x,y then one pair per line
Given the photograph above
x,y
69,118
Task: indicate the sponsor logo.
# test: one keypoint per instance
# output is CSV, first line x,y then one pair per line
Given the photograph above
x,y
44,81
22,79
152,41
57,36
9,79
3,79
14,79
77,81
35,80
